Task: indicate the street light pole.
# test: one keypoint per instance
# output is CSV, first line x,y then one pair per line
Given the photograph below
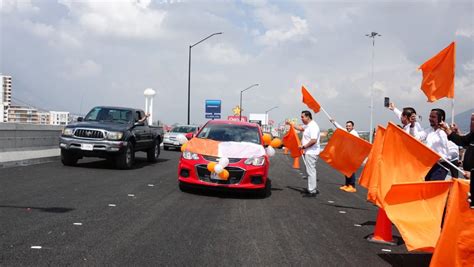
x,y
371,133
240,107
266,114
189,73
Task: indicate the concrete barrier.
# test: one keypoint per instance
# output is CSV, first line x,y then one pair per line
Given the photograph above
x,y
18,137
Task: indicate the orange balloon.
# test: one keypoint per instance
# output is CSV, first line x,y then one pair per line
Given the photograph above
x,y
183,147
276,143
224,174
210,166
267,139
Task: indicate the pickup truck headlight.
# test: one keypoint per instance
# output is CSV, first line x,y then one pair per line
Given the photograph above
x,y
255,161
190,155
68,131
114,135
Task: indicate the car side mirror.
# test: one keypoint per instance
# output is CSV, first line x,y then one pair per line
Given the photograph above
x,y
80,119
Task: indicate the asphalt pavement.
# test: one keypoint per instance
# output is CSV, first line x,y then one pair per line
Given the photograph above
x,y
95,215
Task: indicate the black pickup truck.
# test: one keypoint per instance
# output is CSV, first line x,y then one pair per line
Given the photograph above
x,y
115,133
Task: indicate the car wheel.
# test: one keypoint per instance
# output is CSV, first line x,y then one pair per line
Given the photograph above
x,y
267,191
68,158
126,158
153,153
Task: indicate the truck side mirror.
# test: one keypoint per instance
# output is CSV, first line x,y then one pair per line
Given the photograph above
x,y
80,119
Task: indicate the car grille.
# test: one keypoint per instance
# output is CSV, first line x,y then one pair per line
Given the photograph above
x,y
235,175
88,133
216,159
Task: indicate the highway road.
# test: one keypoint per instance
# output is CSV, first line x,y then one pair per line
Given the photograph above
x,y
94,215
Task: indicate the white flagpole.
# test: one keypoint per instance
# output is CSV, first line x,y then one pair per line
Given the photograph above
x,y
452,111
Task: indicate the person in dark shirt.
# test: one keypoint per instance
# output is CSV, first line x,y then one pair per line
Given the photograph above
x,y
466,141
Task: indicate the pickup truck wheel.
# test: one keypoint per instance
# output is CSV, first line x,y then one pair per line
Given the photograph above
x,y
68,158
153,153
126,159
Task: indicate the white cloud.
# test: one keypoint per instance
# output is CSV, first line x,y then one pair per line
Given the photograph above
x,y
294,31
224,54
124,18
465,32
84,69
21,6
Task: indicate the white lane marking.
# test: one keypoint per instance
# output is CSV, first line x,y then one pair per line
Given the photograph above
x,y
386,250
36,247
341,211
77,223
112,205
131,195
151,185
357,225
330,201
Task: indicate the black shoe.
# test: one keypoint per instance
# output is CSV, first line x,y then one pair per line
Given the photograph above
x,y
310,194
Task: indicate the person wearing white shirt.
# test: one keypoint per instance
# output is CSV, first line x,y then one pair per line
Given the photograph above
x,y
408,119
349,186
436,139
311,149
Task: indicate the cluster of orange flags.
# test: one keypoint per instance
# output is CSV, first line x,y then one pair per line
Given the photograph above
x,y
438,74
345,152
394,176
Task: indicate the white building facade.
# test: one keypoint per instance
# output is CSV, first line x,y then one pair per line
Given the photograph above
x,y
5,96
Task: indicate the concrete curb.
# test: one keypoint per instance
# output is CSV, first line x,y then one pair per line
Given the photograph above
x,y
28,157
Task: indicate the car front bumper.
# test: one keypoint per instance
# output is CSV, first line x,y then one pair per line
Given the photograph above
x,y
90,147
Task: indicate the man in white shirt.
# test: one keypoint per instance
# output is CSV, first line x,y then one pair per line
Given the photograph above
x,y
408,119
311,148
350,181
435,138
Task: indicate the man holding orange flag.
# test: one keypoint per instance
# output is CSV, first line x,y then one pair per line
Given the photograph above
x,y
311,148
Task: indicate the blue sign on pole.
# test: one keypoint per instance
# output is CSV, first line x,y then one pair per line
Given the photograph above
x,y
213,106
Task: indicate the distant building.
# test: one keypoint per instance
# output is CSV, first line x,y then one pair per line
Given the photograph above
x,y
5,96
58,117
19,114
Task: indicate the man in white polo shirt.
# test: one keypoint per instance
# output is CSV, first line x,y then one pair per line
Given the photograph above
x,y
311,148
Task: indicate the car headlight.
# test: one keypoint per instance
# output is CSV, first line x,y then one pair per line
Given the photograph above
x,y
255,161
68,131
190,155
114,135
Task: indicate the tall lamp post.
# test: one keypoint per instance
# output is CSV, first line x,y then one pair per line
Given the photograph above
x,y
266,116
240,107
371,134
189,73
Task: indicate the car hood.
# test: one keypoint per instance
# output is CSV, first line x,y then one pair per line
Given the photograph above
x,y
108,126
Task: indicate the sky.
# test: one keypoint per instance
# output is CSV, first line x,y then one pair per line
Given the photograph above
x,y
70,55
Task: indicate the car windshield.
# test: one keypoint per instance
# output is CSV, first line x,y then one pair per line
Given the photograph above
x,y
109,114
183,129
230,132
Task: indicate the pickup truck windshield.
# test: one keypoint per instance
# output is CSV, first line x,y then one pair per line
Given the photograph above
x,y
109,114
183,129
230,132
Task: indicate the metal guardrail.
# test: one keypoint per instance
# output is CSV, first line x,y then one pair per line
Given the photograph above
x,y
15,136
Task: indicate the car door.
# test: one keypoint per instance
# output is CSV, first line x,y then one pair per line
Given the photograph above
x,y
147,135
139,132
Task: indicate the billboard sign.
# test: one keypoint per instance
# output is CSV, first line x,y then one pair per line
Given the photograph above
x,y
213,106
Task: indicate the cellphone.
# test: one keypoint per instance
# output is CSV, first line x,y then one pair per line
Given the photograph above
x,y
386,102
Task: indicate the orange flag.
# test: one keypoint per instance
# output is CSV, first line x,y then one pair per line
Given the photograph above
x,y
369,176
456,244
438,74
345,152
309,100
292,142
416,209
404,159
203,146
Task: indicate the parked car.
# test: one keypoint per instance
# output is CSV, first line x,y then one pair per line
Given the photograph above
x,y
244,173
170,140
115,133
